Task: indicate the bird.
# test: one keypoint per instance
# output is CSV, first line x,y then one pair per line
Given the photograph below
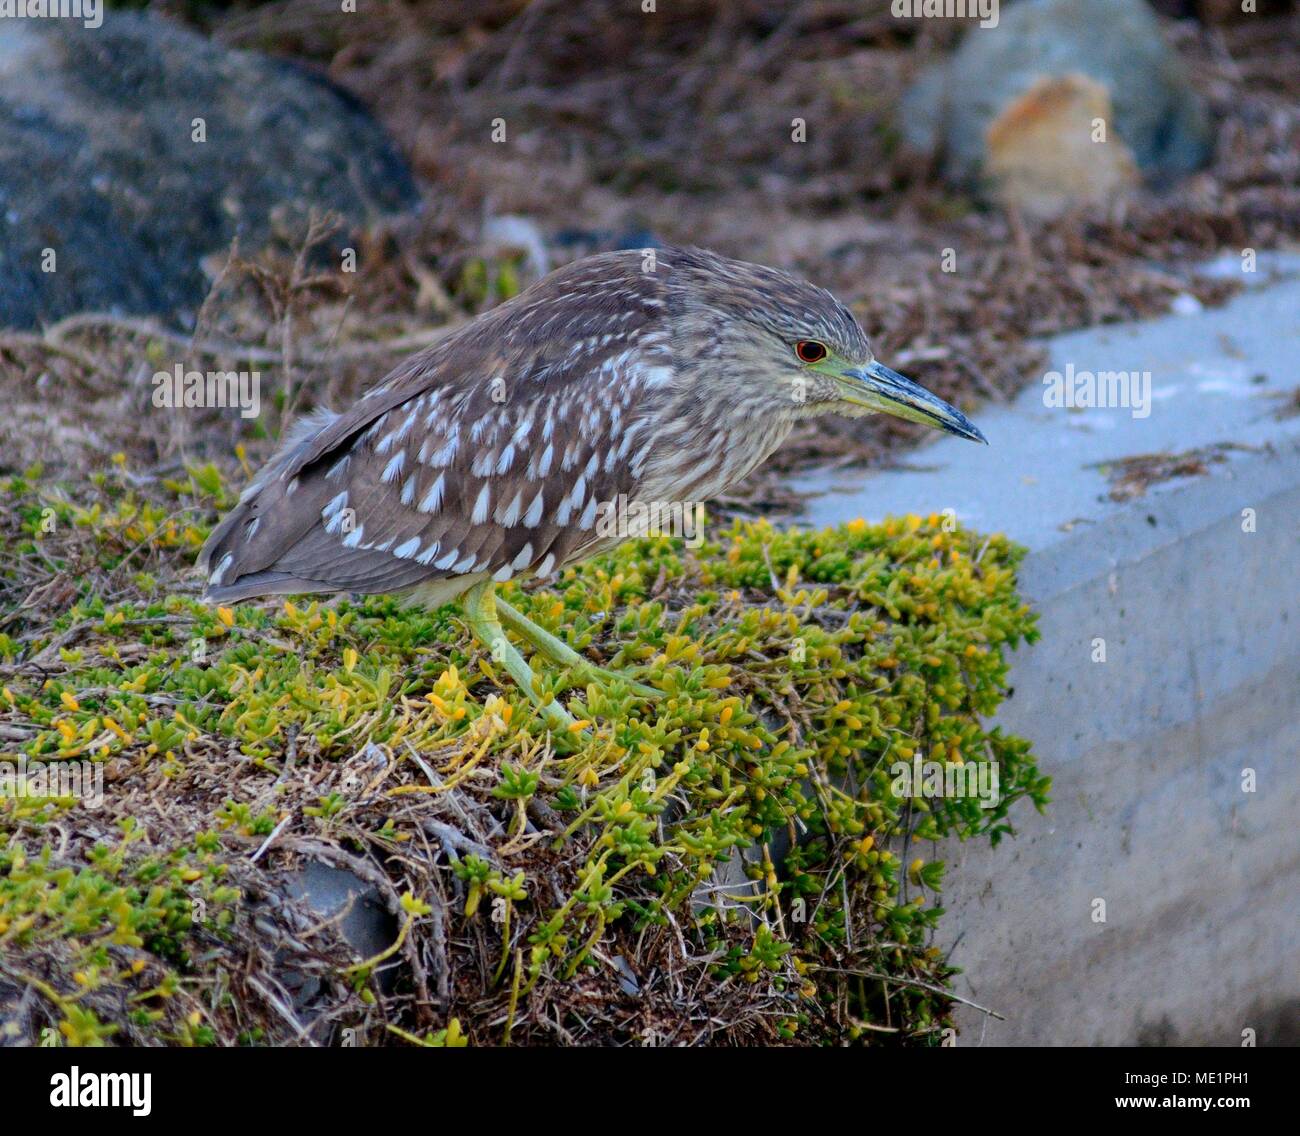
x,y
661,375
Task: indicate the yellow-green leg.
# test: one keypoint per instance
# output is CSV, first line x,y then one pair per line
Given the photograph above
x,y
560,652
480,606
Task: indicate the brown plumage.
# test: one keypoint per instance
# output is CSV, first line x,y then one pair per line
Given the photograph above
x,y
665,376
488,453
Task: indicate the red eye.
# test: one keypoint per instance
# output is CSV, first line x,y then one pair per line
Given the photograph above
x,y
810,351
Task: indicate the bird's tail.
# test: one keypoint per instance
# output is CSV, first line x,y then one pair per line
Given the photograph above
x,y
238,555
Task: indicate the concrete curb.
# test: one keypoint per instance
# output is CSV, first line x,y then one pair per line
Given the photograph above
x,y
1201,681
1147,751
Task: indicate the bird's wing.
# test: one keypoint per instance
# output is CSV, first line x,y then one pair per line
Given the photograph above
x,y
442,471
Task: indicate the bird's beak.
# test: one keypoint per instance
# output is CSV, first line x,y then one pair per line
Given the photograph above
x,y
876,387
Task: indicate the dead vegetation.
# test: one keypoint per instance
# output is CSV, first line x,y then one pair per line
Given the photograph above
x,y
676,125
1129,478
679,124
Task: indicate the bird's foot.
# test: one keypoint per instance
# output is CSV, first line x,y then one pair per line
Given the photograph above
x,y
561,653
603,676
480,606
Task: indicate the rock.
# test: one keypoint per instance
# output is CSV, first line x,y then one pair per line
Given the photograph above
x,y
98,163
1006,109
1041,154
368,927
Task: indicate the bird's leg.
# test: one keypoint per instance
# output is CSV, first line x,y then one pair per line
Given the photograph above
x,y
558,651
480,606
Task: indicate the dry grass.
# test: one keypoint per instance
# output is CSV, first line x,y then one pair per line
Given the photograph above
x,y
680,123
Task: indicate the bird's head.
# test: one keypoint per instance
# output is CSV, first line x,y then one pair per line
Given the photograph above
x,y
787,345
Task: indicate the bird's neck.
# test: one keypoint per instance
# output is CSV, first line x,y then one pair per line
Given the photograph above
x,y
701,453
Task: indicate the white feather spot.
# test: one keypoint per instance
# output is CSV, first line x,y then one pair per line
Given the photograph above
x,y
445,453
563,513
433,499
481,505
520,562
407,550
220,571
545,567
394,468
509,515
533,517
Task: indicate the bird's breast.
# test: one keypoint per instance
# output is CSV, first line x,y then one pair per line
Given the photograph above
x,y
697,460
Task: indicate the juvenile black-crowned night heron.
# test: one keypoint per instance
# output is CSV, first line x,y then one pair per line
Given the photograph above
x,y
664,376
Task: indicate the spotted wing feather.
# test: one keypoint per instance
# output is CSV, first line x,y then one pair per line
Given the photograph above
x,y
486,455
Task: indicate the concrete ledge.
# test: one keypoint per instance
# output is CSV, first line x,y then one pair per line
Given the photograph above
x,y
1200,879
1201,680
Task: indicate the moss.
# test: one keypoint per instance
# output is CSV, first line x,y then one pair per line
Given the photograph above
x,y
544,893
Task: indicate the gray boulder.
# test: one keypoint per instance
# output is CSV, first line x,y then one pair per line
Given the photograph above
x,y
1046,66
98,163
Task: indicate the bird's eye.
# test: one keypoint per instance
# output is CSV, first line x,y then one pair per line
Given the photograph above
x,y
810,351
